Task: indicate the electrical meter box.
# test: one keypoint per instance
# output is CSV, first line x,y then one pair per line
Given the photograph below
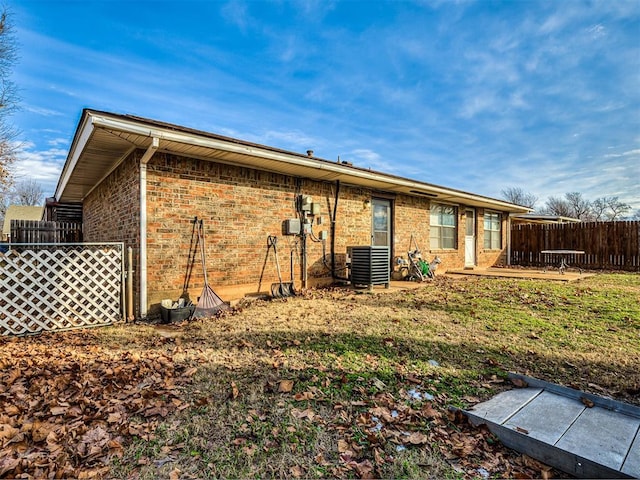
x,y
305,202
315,209
291,226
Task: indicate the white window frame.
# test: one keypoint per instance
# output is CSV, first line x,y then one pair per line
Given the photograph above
x,y
438,228
492,236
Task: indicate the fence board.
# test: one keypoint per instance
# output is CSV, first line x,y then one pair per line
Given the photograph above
x,y
58,287
34,231
607,245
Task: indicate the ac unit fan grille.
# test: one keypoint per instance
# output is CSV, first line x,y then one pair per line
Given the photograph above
x,y
370,265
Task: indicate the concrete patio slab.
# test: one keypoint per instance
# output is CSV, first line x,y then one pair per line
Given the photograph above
x,y
547,417
537,274
583,434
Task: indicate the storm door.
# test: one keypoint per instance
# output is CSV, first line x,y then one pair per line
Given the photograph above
x,y
381,222
470,239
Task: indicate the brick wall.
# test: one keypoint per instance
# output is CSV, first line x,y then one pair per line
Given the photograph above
x,y
111,212
488,258
240,207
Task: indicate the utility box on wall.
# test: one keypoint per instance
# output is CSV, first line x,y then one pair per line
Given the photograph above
x,y
291,226
370,265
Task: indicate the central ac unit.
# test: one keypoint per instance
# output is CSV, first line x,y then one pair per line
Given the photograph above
x,y
370,265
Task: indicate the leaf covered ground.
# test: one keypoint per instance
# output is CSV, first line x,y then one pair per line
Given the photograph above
x,y
332,383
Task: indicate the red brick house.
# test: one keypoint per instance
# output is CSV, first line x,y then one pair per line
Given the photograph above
x,y
142,182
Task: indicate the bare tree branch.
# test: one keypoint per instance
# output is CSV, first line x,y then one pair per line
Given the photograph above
x,y
579,206
28,192
8,97
518,196
557,206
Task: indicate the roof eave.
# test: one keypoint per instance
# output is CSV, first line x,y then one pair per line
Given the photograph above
x,y
316,168
80,140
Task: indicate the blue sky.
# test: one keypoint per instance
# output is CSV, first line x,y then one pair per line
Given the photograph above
x,y
474,95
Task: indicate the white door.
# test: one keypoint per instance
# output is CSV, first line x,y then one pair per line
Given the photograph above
x,y
470,239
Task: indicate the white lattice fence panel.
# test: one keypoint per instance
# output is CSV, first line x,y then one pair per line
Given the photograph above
x,y
44,288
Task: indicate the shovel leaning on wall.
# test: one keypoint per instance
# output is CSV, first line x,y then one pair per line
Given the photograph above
x,y
280,289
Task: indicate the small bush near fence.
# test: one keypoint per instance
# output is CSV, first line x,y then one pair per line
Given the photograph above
x,y
607,245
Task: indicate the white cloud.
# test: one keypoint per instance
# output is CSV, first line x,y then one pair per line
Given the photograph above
x,y
597,31
58,142
367,158
624,154
45,112
553,23
43,166
292,139
235,12
479,103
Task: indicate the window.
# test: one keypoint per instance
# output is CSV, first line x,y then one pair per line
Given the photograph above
x,y
443,226
492,231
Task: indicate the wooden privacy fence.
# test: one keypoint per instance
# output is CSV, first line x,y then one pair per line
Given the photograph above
x,y
607,245
45,287
34,231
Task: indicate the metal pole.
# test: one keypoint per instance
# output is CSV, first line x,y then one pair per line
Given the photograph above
x,y
130,316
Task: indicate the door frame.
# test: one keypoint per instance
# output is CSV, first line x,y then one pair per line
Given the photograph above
x,y
389,203
470,241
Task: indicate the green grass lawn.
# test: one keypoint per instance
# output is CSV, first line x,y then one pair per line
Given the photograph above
x,y
342,384
332,383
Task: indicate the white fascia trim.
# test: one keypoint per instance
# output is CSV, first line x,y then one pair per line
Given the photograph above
x,y
155,144
86,130
196,140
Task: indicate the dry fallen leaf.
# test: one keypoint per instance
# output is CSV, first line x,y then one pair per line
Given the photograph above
x,y
343,446
7,432
285,386
586,402
58,410
8,465
302,414
190,372
296,471
115,417
364,469
249,449
41,430
429,412
303,396
518,382
234,390
417,438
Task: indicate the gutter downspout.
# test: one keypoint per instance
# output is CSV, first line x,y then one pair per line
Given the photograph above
x,y
334,214
509,240
333,230
155,143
